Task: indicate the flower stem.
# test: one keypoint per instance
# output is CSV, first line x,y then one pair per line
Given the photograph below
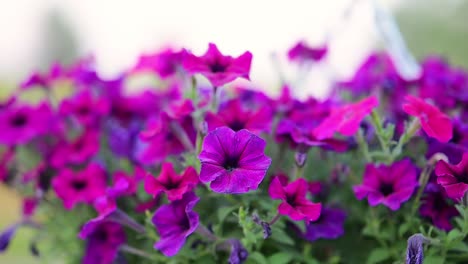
x,y
136,251
277,216
423,179
204,232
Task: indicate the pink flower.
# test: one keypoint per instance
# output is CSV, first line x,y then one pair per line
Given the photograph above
x,y
388,185
76,152
233,115
85,107
171,183
435,123
164,62
302,52
346,119
216,67
294,202
454,178
83,186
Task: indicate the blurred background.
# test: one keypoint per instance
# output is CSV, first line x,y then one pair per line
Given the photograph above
x,y
36,33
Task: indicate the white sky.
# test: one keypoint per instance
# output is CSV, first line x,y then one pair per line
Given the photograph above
x,y
117,31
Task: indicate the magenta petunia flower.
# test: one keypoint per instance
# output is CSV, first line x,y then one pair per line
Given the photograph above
x,y
302,52
454,178
294,202
19,124
103,239
330,225
216,67
234,162
76,152
174,223
85,107
388,185
346,119
169,182
233,115
435,123
83,186
164,63
167,136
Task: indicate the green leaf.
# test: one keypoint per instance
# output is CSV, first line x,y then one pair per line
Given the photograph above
x,y
404,228
223,212
280,258
454,234
377,255
257,257
433,260
460,246
280,236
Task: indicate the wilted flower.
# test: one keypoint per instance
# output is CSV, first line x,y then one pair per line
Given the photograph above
x,y
234,162
174,223
435,123
453,178
415,249
294,202
238,252
6,236
216,67
173,184
388,185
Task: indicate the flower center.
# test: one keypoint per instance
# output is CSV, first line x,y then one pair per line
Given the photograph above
x,y
79,185
83,110
386,189
19,120
237,125
231,163
217,67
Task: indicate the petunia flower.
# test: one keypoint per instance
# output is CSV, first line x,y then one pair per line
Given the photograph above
x,y
216,67
174,223
389,185
168,181
294,202
234,162
123,139
103,240
330,225
83,186
6,236
346,119
77,151
233,115
435,123
85,107
454,178
19,124
164,62
435,206
302,52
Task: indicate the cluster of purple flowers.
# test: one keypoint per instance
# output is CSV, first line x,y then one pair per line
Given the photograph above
x,y
179,151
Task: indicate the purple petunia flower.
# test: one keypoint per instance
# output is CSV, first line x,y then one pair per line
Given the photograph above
x,y
453,178
329,225
435,206
388,185
216,67
234,162
103,239
174,223
168,181
19,124
294,202
6,236
80,186
302,52
239,253
233,115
